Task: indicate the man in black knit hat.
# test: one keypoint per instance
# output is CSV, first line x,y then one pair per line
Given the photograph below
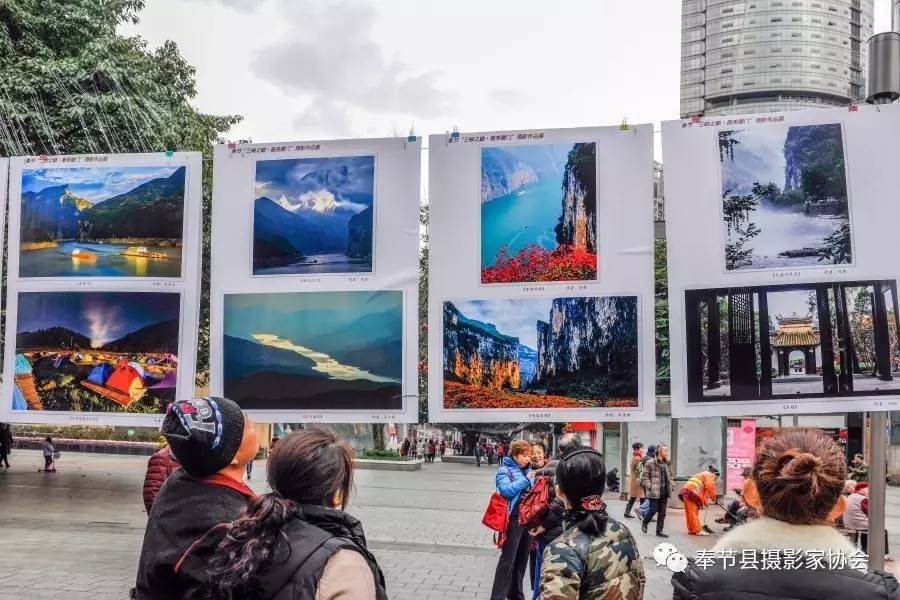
x,y
213,440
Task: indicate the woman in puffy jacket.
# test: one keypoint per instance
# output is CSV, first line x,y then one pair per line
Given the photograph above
x,y
513,479
297,543
162,464
797,488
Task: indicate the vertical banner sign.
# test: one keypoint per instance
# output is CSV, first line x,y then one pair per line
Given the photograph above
x,y
315,252
782,278
741,452
541,276
103,285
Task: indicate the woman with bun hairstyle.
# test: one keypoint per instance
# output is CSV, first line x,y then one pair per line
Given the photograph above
x,y
596,557
297,542
797,488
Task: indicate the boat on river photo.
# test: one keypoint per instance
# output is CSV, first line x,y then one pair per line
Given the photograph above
x,y
142,252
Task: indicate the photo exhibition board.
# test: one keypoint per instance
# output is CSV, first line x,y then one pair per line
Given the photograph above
x,y
541,276
782,273
315,262
103,287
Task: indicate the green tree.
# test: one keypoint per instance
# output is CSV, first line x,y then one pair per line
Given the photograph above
x,y
71,84
661,308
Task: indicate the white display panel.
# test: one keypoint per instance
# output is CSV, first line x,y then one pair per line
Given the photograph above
x,y
779,232
315,251
541,276
103,287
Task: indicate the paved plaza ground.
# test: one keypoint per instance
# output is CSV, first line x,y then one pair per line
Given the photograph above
x,y
77,534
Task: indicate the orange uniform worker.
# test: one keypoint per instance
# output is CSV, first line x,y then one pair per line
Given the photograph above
x,y
698,492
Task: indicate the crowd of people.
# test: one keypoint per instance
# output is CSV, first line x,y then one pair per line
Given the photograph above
x,y
423,448
209,536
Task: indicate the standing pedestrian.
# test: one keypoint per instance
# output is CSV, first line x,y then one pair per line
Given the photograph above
x,y
659,485
491,455
213,440
596,558
420,448
797,484
635,491
541,467
404,448
697,493
644,504
160,466
859,468
513,479
6,442
297,543
49,452
443,448
477,452
432,450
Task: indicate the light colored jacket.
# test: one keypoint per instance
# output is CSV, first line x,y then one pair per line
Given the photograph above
x,y
855,517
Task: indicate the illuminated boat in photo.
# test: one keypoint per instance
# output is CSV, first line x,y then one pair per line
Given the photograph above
x,y
142,252
85,255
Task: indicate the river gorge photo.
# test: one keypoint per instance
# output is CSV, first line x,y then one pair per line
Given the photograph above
x,y
784,197
102,222
541,353
539,213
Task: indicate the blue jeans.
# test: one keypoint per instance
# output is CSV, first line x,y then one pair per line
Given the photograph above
x,y
538,562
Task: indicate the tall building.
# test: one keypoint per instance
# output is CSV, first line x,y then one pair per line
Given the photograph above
x,y
751,56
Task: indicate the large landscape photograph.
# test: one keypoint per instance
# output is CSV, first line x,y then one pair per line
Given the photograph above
x,y
314,216
314,350
99,352
102,222
784,197
539,213
541,353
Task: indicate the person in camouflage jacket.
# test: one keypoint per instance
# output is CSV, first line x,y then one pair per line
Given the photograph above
x,y
596,558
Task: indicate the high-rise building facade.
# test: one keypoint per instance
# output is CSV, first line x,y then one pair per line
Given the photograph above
x,y
751,56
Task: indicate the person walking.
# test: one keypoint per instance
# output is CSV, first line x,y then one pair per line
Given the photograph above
x,y
797,484
697,493
6,443
658,483
160,466
596,558
635,491
49,452
513,479
297,542
213,440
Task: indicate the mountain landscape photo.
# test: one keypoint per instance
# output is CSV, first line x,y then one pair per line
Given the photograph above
x,y
784,197
102,222
96,351
541,353
314,350
539,213
314,215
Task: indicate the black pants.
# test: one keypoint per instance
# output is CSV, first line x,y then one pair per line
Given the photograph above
x,y
4,459
513,562
864,542
658,507
48,460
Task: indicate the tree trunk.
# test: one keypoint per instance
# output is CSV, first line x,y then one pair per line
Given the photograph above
x,y
378,436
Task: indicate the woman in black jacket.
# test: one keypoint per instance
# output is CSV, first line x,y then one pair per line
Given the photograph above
x,y
297,542
797,487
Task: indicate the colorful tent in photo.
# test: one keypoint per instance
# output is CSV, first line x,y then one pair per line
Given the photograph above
x,y
124,385
101,373
137,367
167,382
62,361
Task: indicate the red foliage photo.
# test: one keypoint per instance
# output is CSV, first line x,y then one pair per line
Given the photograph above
x,y
535,263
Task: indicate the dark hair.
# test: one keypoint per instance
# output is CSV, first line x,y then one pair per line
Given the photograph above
x,y
48,439
637,446
542,446
580,474
310,466
800,476
569,443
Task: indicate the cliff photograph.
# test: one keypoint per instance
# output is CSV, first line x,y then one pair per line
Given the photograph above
x,y
314,350
314,215
103,352
541,353
102,222
784,197
539,213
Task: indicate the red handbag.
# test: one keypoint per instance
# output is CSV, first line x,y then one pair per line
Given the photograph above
x,y
535,504
496,517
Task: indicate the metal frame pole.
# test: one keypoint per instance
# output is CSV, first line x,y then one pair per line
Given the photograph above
x,y
877,488
624,460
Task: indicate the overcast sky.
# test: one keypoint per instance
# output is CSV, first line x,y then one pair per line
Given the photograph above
x,y
300,70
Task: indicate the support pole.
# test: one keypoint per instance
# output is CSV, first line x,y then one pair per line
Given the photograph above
x,y
877,489
673,448
624,460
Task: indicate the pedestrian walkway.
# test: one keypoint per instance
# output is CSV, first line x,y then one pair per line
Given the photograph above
x,y
77,534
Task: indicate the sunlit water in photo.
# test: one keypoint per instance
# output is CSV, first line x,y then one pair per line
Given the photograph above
x,y
59,262
526,216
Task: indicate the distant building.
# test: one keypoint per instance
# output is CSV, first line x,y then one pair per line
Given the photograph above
x,y
752,56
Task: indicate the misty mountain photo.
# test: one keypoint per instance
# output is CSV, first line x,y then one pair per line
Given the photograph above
x,y
539,213
102,222
547,353
784,197
96,351
314,350
314,215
